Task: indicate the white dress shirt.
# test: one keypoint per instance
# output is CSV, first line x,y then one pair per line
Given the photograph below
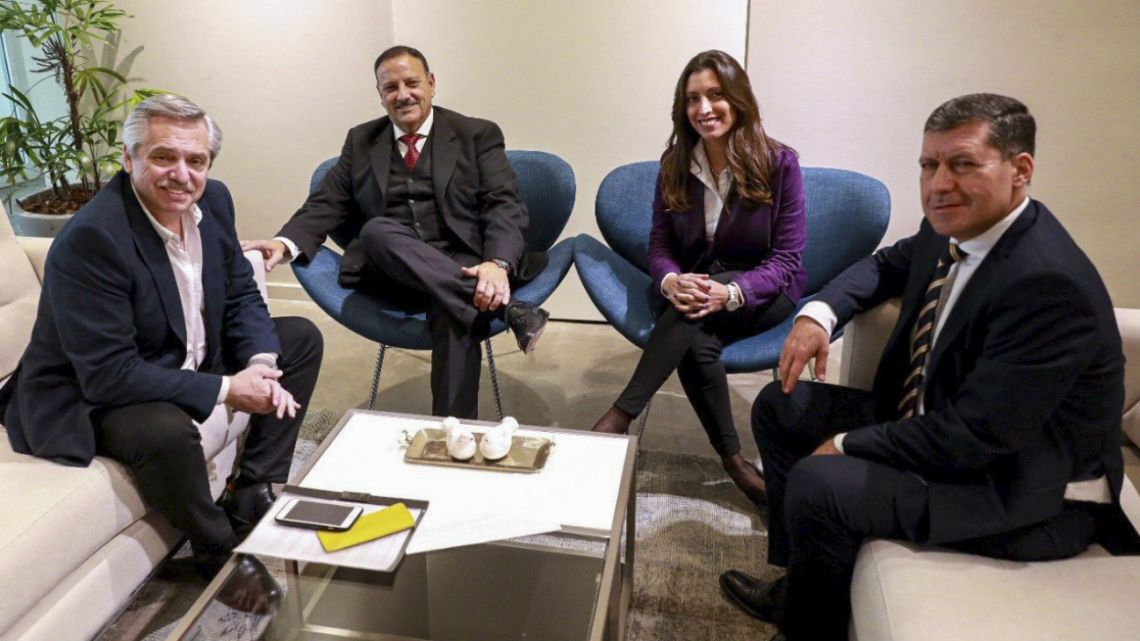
x,y
716,189
425,129
185,253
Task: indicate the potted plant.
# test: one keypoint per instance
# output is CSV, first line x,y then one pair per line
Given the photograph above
x,y
77,152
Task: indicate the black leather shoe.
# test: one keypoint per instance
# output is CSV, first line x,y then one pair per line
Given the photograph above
x,y
527,323
246,505
761,599
250,588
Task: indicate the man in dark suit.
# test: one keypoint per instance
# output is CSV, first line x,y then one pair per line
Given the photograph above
x,y
994,422
147,305
438,222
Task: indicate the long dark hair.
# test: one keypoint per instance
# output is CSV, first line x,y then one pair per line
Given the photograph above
x,y
751,153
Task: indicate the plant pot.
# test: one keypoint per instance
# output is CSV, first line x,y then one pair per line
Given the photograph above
x,y
26,223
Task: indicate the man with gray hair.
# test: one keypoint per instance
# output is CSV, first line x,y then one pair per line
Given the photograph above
x,y
149,319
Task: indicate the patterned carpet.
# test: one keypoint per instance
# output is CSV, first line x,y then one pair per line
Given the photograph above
x,y
692,524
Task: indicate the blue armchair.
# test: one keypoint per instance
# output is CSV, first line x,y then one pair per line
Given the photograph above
x,y
546,184
847,215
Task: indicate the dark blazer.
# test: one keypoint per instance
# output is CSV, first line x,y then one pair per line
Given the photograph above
x,y
765,242
109,331
475,192
1024,386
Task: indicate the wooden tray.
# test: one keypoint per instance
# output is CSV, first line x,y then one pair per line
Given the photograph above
x,y
528,453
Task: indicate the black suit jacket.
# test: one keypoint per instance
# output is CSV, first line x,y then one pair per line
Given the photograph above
x,y
475,193
1024,386
109,331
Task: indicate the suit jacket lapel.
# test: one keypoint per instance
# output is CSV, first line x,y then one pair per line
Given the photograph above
x,y
213,279
153,253
972,294
444,154
381,157
925,261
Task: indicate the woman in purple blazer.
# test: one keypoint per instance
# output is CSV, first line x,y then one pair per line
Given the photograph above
x,y
724,251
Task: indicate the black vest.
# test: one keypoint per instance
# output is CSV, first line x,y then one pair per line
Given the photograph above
x,y
410,198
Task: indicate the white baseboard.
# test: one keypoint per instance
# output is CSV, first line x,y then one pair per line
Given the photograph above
x,y
287,291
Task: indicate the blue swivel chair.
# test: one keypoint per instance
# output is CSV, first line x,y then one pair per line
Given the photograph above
x,y
847,215
546,184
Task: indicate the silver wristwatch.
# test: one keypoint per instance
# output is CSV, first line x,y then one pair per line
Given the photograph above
x,y
502,263
734,298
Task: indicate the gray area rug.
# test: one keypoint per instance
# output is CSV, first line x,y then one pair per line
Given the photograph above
x,y
692,524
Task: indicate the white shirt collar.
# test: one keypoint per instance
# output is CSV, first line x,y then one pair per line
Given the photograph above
x,y
424,129
165,234
980,245
699,166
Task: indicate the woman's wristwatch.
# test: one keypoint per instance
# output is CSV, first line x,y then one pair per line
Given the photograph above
x,y
735,298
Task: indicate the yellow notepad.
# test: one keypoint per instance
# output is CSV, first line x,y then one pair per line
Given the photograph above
x,y
369,527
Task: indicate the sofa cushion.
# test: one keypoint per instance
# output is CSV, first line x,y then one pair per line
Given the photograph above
x,y
19,295
907,592
55,517
90,597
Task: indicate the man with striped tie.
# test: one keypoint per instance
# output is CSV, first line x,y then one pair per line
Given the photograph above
x,y
994,422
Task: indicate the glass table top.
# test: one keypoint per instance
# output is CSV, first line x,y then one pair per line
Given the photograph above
x,y
543,589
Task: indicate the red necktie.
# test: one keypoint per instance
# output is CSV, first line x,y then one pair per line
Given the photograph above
x,y
413,154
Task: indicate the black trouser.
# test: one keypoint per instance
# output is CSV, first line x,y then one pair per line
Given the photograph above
x,y
693,348
162,447
822,508
409,272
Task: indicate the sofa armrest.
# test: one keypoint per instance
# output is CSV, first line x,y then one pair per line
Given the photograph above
x,y
866,335
36,248
258,262
1129,322
864,338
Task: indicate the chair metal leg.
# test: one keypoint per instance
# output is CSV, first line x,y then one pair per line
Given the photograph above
x,y
494,378
376,375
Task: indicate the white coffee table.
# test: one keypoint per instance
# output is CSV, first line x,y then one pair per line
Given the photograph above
x,y
569,583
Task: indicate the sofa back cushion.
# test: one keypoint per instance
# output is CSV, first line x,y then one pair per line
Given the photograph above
x,y
19,295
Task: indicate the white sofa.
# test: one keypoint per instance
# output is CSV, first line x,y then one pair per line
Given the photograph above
x,y
75,543
906,592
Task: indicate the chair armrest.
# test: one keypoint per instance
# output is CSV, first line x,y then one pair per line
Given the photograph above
x,y
864,338
258,262
36,248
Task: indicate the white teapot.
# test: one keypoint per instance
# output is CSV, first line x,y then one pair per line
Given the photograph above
x,y
460,440
496,441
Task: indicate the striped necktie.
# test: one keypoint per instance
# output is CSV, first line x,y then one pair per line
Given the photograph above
x,y
924,330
